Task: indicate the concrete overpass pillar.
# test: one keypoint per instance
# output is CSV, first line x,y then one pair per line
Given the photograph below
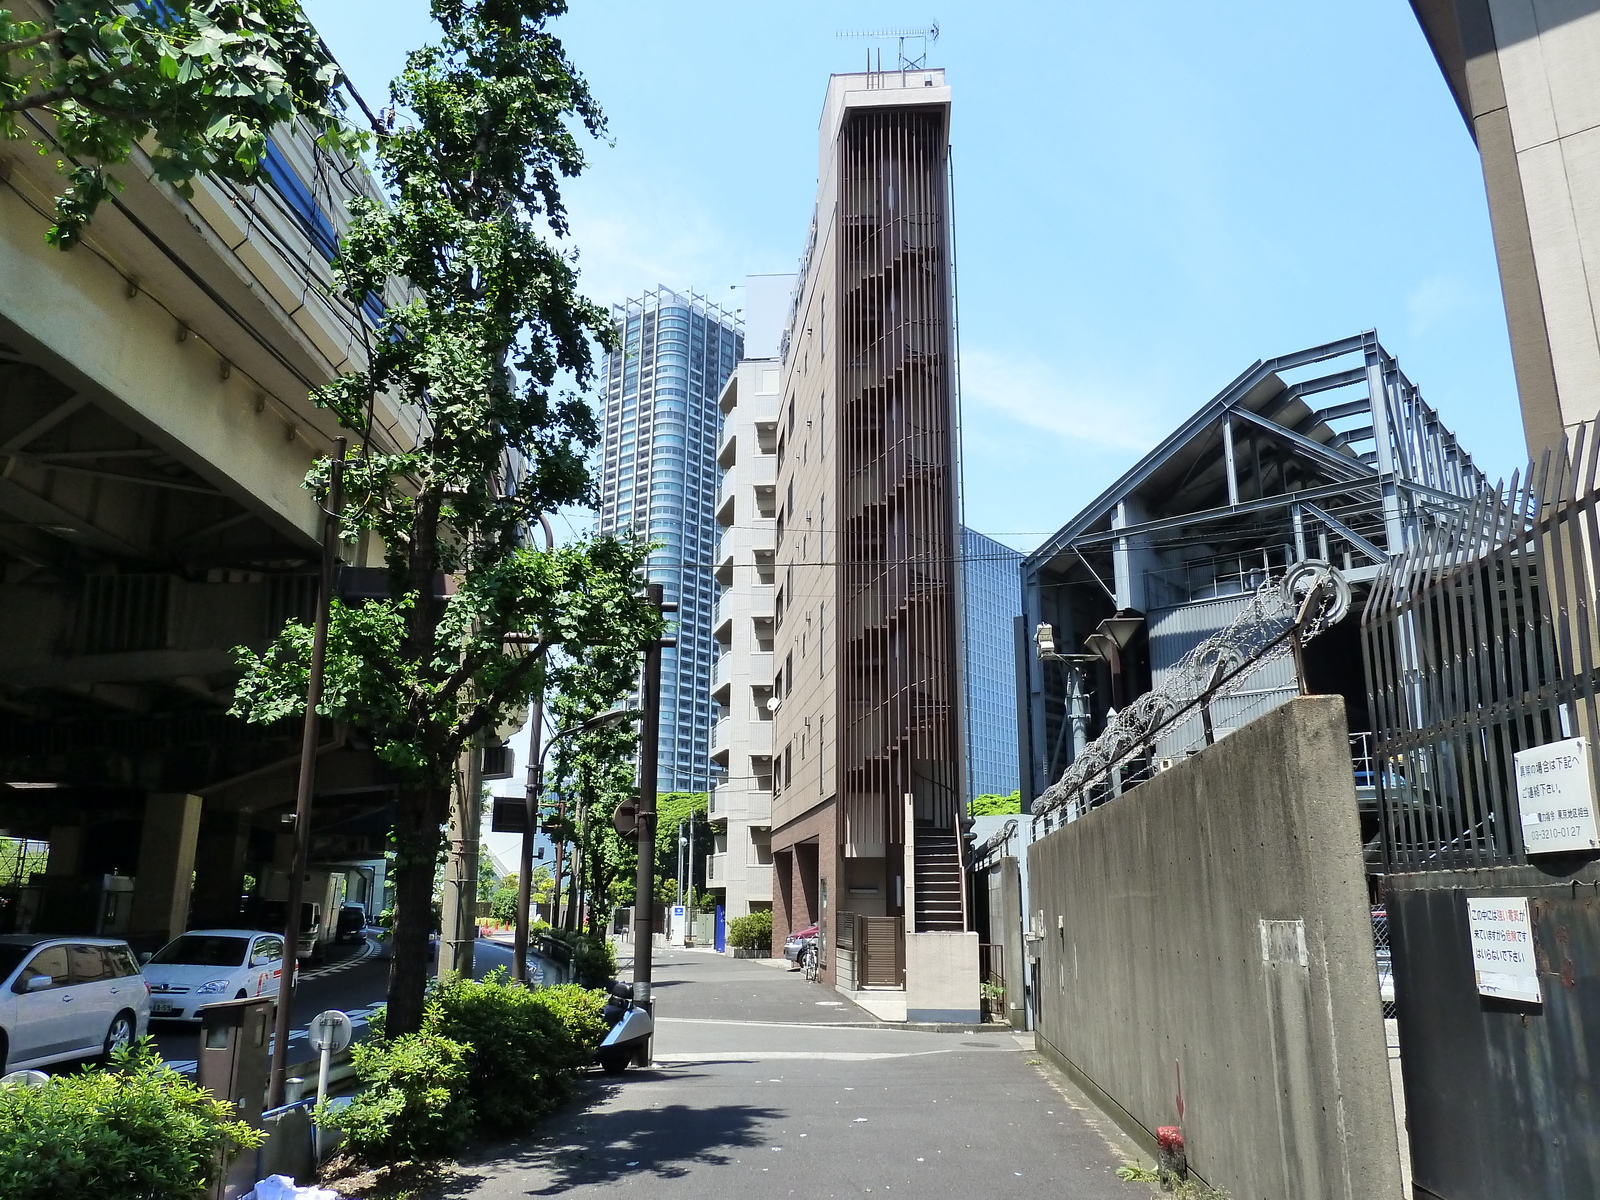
x,y
166,865
223,845
66,850
458,942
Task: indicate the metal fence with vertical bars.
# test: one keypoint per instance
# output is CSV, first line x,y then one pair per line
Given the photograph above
x,y
1481,640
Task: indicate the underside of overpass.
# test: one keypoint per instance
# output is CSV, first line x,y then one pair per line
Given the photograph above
x,y
155,429
126,581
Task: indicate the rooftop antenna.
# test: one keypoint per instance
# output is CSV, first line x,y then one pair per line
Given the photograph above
x,y
923,37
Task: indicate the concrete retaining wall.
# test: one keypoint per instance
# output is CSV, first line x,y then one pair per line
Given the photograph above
x,y
942,977
1208,935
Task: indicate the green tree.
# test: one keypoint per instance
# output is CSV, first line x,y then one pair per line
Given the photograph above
x,y
676,812
596,772
995,806
474,231
202,83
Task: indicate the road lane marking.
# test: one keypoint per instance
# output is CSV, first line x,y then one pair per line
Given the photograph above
x,y
742,1056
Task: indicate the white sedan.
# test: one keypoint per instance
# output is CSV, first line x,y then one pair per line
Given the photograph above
x,y
204,966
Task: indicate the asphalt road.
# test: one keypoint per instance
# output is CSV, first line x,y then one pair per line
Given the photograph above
x,y
766,1085
354,980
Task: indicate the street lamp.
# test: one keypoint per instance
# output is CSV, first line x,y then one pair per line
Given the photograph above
x,y
1109,639
519,958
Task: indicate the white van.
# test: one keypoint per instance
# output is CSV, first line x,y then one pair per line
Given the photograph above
x,y
66,998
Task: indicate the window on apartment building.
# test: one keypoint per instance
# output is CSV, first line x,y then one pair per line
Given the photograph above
x,y
788,673
822,328
791,413
822,427
822,640
777,610
788,499
821,758
780,452
788,762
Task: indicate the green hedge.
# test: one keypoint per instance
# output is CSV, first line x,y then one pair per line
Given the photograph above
x,y
594,958
416,1105
492,1056
137,1130
753,932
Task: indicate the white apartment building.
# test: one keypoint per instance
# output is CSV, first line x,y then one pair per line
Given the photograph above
x,y
740,867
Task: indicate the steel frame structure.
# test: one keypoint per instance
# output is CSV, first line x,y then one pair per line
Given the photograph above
x,y
1328,453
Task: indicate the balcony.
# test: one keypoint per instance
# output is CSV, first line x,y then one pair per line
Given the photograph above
x,y
727,604
759,672
757,882
717,870
763,471
722,678
760,738
764,533
758,808
720,733
762,602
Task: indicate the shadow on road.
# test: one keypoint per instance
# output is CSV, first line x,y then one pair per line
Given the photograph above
x,y
602,1145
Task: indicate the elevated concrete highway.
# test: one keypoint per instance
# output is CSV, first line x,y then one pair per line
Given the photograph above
x,y
155,430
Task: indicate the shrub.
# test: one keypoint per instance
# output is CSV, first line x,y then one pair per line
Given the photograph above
x,y
492,1053
519,1053
416,1105
594,958
136,1131
580,1011
753,932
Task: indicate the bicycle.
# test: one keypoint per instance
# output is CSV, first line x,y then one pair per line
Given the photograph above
x,y
809,963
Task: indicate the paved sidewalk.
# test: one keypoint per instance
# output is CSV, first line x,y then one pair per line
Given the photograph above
x,y
766,1085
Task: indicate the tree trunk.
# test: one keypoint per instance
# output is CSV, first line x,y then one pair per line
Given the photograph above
x,y
416,842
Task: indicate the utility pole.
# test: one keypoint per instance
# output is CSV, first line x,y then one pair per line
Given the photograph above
x,y
561,850
459,919
649,754
530,816
308,778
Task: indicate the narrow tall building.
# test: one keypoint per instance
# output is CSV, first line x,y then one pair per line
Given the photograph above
x,y
867,733
658,477
991,578
740,868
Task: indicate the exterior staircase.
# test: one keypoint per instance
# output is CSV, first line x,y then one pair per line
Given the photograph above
x,y
939,879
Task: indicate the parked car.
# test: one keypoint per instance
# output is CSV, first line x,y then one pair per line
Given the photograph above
x,y
207,965
800,941
352,924
65,998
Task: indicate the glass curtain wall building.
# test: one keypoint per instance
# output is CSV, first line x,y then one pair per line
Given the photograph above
x,y
991,585
658,477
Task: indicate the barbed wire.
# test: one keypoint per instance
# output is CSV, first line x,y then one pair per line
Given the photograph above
x,y
1285,611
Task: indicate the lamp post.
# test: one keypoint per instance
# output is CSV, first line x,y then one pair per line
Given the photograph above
x,y
519,958
293,925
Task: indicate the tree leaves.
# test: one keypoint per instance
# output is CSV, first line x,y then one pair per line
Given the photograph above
x,y
208,80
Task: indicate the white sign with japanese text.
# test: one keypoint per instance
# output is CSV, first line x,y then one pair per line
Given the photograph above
x,y
1555,792
1502,948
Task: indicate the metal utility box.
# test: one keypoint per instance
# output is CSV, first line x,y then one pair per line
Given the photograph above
x,y
235,1046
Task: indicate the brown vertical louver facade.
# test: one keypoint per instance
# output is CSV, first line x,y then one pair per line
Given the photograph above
x,y
866,671
898,686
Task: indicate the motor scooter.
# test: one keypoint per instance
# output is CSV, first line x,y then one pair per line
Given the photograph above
x,y
629,1026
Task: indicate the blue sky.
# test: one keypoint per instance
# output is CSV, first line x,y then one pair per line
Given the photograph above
x,y
1149,198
